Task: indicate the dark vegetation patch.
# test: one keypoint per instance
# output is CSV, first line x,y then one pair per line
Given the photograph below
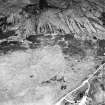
x,y
79,95
63,87
34,46
50,40
3,20
43,4
62,44
76,47
4,33
102,86
88,44
94,37
35,41
103,61
68,37
34,38
38,40
31,76
101,48
31,9
102,43
73,50
55,79
102,18
80,92
70,45
6,47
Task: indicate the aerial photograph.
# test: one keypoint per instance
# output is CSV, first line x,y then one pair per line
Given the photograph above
x,y
52,52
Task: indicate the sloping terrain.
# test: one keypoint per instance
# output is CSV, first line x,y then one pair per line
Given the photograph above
x,y
48,50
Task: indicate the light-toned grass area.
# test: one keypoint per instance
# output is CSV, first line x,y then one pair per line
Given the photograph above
x,y
15,69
